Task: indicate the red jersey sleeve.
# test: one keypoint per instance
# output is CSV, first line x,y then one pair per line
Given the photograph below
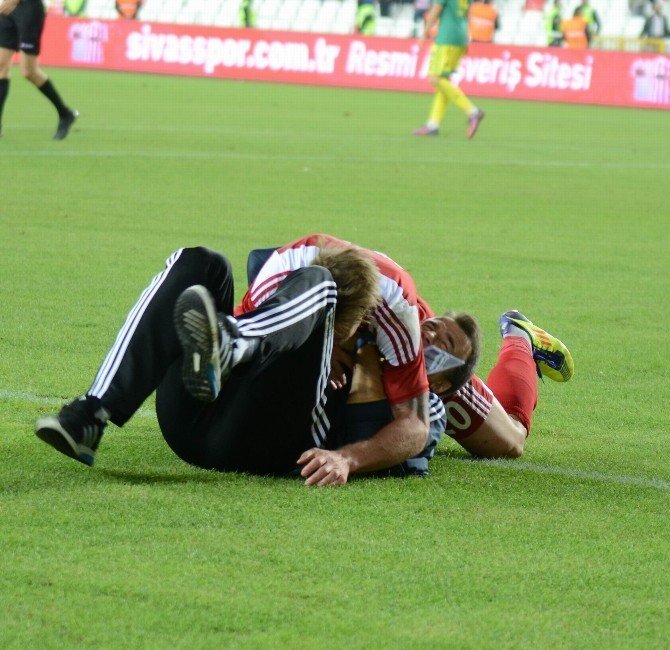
x,y
402,383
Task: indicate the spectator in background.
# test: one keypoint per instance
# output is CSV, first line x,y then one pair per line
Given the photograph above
x,y
552,23
74,7
420,8
483,20
21,25
128,8
576,31
247,15
643,7
366,18
656,26
590,15
637,7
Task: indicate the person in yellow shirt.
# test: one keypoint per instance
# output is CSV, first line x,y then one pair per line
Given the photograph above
x,y
366,17
247,15
552,24
590,15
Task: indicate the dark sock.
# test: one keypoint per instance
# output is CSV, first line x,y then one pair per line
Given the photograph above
x,y
48,90
4,91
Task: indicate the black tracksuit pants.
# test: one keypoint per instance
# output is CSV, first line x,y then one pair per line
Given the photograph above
x,y
270,410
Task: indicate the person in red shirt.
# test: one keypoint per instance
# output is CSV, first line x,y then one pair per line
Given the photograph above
x,y
394,327
394,324
489,419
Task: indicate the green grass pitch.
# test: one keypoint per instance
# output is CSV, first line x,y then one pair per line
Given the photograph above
x,y
560,211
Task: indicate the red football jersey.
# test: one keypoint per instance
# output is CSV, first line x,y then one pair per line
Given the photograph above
x,y
395,323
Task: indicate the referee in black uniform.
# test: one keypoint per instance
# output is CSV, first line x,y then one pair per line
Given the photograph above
x,y
21,25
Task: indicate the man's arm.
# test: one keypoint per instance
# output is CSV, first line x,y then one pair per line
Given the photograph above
x,y
431,17
399,440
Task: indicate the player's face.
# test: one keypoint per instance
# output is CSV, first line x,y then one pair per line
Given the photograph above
x,y
445,333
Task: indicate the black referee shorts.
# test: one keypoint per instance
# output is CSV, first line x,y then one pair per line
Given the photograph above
x,y
22,29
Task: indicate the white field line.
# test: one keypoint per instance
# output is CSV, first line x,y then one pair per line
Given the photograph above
x,y
266,134
506,465
227,155
602,477
54,402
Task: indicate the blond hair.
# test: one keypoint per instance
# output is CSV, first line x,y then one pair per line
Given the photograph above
x,y
357,279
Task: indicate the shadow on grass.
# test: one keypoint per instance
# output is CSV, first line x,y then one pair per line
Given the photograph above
x,y
453,452
153,478
212,476
148,477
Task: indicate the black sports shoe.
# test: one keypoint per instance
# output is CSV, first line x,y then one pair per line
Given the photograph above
x,y
207,341
76,430
65,124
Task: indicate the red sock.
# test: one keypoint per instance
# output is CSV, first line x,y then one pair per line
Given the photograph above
x,y
513,379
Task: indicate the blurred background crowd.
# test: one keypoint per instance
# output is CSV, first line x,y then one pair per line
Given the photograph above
x,y
633,25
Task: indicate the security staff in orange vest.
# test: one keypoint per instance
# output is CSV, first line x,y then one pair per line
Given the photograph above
x,y
575,31
128,8
482,21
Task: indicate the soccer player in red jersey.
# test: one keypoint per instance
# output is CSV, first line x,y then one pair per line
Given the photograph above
x,y
489,419
394,327
493,419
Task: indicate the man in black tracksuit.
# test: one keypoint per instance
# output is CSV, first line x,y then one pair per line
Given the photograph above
x,y
247,394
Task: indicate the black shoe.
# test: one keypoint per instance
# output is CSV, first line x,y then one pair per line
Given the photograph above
x,y
65,124
207,341
76,430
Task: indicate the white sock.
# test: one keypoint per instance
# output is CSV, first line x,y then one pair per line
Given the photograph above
x,y
244,349
513,330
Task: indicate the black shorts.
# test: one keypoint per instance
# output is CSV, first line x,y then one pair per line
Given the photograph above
x,y
22,29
